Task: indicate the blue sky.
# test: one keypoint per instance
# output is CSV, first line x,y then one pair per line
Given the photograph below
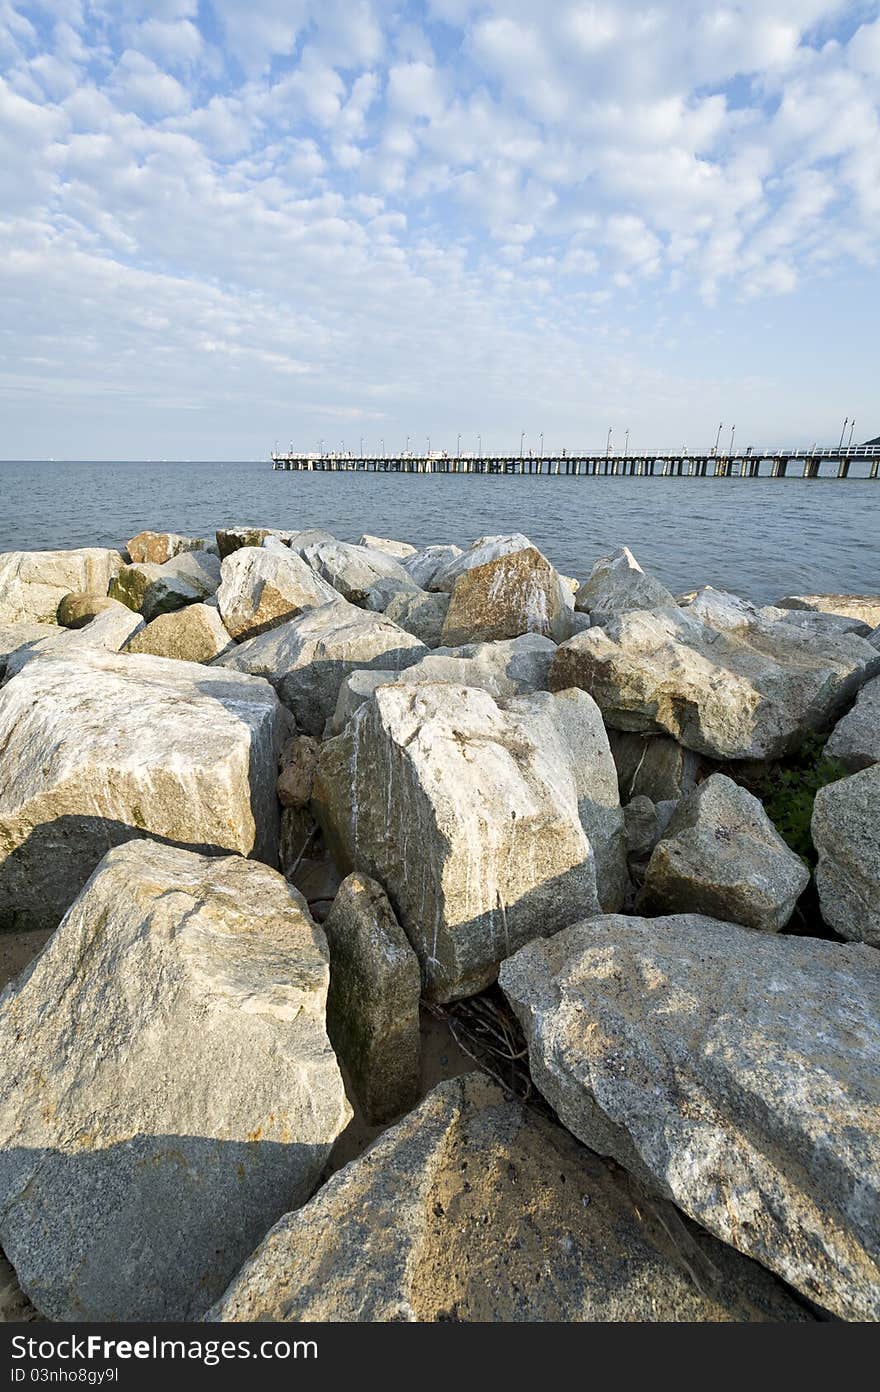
x,y
226,224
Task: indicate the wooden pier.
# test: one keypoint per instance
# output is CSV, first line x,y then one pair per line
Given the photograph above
x,y
750,463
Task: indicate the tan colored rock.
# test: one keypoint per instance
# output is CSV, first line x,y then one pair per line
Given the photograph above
x,y
474,1208
167,1087
261,589
472,826
33,583
863,607
454,563
193,634
18,635
399,549
735,1073
100,748
507,596
159,547
373,1004
299,761
231,539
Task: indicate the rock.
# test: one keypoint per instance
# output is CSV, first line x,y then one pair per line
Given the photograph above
x,y
874,638
78,609
866,608
722,856
652,766
424,565
645,822
193,634
479,553
735,1072
101,747
508,595
754,694
373,1004
159,589
159,547
420,614
846,834
299,761
231,539
855,740
474,1208
379,595
312,536
512,667
33,583
261,589
471,825
308,659
19,635
352,570
617,584
110,630
399,549
132,1185
568,728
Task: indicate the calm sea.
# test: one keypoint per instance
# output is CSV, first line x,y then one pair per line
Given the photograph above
x,y
759,537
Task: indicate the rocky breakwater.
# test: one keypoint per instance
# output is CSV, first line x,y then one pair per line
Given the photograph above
x,y
652,821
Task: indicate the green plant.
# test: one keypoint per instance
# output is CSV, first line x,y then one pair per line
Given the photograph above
x,y
788,790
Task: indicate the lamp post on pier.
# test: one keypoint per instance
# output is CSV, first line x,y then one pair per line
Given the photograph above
x,y
458,447
852,426
542,444
479,446
732,433
717,438
522,436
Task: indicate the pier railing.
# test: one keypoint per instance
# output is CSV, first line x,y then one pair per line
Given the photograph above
x,y
748,463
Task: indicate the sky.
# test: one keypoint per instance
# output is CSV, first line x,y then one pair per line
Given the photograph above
x,y
225,224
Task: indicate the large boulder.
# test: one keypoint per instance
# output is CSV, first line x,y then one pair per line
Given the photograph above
x,y
652,766
866,608
401,550
507,595
846,834
722,856
159,547
754,694
33,583
110,630
617,584
480,552
307,659
373,1005
475,1208
351,570
193,634
231,539
730,612
510,667
19,635
470,824
427,563
79,608
260,589
101,747
736,1073
167,1087
152,589
855,740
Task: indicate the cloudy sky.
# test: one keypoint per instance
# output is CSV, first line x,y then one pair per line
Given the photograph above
x,y
224,224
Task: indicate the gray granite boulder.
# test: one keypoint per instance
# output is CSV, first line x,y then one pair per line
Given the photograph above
x,y
373,1005
754,694
111,630
846,834
866,608
616,584
152,589
470,823
722,856
476,1209
33,583
19,635
735,1073
401,550
427,563
99,748
352,570
261,588
167,1087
